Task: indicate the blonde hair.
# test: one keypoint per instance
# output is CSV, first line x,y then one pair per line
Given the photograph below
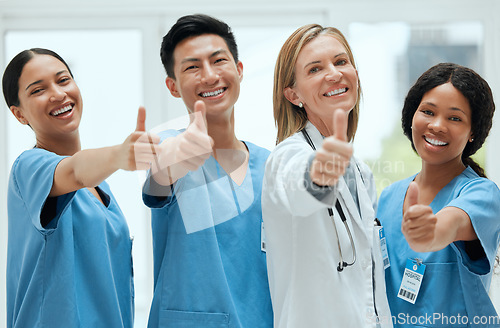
x,y
288,117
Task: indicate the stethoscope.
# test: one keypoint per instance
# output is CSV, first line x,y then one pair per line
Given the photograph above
x,y
342,263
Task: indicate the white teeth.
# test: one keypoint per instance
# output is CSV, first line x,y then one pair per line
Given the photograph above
x,y
62,110
335,92
213,93
435,142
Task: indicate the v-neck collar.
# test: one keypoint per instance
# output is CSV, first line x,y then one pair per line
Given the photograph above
x,y
221,172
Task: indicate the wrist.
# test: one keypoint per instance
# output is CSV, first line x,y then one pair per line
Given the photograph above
x,y
114,155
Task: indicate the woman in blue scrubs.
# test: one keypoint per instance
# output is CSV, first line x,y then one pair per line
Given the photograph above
x,y
69,260
441,264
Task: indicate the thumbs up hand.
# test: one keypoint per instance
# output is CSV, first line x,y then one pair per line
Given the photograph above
x,y
334,155
185,152
419,222
139,149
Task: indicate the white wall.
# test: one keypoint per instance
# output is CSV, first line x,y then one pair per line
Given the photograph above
x,y
153,18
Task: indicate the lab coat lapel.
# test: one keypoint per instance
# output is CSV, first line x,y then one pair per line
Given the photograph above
x,y
365,202
348,204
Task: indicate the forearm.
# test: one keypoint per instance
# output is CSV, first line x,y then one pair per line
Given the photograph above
x,y
93,166
445,234
180,155
86,168
452,224
164,168
163,176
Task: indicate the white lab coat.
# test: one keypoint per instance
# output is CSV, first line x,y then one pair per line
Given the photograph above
x,y
302,249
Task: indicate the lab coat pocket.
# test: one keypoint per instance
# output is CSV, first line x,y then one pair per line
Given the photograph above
x,y
186,319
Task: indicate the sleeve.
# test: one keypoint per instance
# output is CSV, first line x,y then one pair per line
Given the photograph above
x,y
480,199
33,173
155,195
284,185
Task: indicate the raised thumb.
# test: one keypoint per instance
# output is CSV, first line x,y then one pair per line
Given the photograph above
x,y
340,125
412,194
199,115
141,119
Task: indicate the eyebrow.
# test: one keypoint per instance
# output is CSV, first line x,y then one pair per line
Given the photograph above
x,y
40,81
434,105
319,61
215,53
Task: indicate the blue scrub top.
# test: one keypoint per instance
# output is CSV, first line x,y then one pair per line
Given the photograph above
x,y
454,287
209,269
77,270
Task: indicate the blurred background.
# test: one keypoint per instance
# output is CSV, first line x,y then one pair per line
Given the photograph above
x,y
112,47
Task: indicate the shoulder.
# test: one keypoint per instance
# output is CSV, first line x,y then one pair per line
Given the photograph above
x,y
291,144
297,137
396,187
255,150
36,153
469,181
257,155
294,149
36,157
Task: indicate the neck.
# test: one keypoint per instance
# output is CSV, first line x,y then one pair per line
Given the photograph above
x,y
231,153
439,175
68,147
326,130
221,129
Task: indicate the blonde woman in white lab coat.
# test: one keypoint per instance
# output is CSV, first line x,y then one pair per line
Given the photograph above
x,y
323,272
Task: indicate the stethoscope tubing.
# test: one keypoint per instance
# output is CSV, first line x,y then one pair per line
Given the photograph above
x,y
342,264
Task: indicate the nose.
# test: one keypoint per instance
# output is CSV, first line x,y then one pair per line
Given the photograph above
x,y
333,74
438,124
58,94
209,75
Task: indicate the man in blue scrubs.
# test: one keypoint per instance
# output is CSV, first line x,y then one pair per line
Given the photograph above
x,y
204,192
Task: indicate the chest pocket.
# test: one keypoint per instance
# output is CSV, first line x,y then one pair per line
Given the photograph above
x,y
439,298
186,319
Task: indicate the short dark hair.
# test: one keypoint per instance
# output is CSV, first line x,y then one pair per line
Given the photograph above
x,y
474,88
13,71
194,25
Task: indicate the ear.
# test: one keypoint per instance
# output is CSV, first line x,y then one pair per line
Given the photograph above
x,y
291,95
16,111
239,67
172,86
357,78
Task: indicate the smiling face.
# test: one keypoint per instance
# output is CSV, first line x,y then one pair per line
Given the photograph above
x,y
205,70
325,80
441,126
49,99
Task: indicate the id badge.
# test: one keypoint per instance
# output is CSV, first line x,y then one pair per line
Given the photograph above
x,y
383,248
412,280
262,237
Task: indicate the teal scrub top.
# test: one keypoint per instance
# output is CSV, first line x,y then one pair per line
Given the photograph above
x,y
454,290
75,270
209,267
